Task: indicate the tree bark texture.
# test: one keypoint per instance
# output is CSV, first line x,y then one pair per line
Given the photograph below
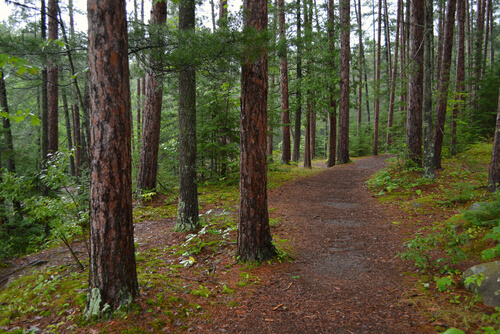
x,y
53,85
298,113
494,173
285,112
112,268
444,82
343,142
254,236
187,211
148,163
415,84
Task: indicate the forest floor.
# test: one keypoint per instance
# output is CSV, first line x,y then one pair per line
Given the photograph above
x,y
344,276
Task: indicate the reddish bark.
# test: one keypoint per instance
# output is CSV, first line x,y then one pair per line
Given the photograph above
x,y
345,52
298,113
285,113
112,269
254,237
53,85
415,84
148,164
332,113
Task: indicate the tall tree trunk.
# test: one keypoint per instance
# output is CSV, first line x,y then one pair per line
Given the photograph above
x,y
44,114
139,114
489,13
444,81
387,40
332,103
345,52
376,112
415,84
494,173
390,116
78,144
357,9
69,138
148,164
298,113
460,75
112,269
308,36
8,151
428,154
285,113
187,211
478,65
254,236
53,85
440,42
404,81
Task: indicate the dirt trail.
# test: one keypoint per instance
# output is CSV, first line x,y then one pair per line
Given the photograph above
x,y
345,278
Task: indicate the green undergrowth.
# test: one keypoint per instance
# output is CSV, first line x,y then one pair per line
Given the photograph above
x,y
180,283
446,235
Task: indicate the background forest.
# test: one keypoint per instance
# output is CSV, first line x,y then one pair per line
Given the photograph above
x,y
344,81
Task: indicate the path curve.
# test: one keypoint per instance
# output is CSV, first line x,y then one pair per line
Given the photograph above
x,y
345,278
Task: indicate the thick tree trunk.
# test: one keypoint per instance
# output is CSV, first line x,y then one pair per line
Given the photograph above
x,y
254,236
415,85
53,85
187,211
148,164
345,51
494,174
428,154
112,269
298,113
443,82
460,74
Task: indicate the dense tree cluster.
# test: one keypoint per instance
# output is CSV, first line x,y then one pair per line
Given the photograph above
x,y
92,118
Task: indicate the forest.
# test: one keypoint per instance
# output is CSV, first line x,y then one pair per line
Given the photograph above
x,y
102,127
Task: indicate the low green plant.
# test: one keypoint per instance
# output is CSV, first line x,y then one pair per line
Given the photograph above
x,y
421,249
